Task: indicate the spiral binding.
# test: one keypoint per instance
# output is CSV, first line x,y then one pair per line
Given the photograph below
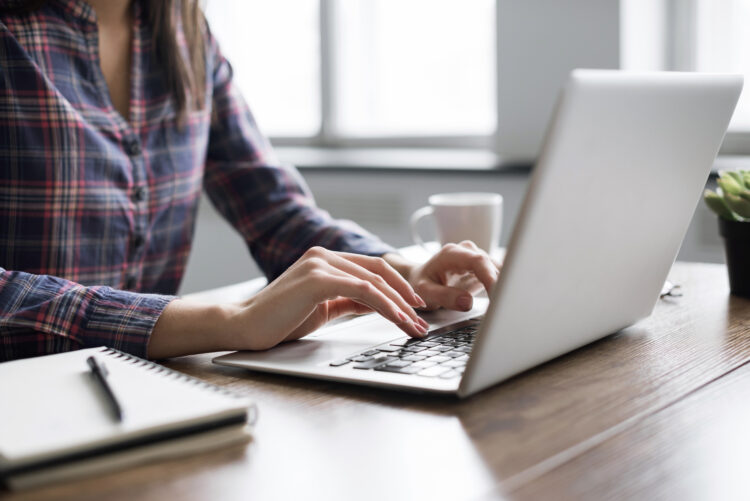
x,y
252,414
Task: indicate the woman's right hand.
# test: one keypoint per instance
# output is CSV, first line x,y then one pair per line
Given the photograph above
x,y
319,287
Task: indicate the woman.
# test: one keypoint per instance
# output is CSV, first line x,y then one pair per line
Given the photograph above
x,y
114,115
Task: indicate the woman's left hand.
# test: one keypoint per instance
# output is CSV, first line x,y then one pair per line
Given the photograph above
x,y
450,278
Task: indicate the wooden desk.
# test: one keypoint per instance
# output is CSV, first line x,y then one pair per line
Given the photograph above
x,y
660,409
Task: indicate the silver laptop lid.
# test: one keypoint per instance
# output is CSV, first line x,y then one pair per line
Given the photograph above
x,y
623,167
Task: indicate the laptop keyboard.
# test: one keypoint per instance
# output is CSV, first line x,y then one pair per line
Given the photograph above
x,y
442,354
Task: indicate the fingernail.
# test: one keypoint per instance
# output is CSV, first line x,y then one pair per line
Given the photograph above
x,y
403,317
420,301
423,323
464,302
422,330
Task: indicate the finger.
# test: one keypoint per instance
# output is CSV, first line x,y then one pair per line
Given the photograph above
x,y
328,262
380,267
446,296
471,245
459,258
378,281
365,292
345,306
327,311
465,281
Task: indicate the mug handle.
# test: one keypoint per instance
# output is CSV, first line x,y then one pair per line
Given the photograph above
x,y
415,218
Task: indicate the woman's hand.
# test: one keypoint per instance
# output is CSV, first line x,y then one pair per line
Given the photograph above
x,y
319,287
451,277
323,285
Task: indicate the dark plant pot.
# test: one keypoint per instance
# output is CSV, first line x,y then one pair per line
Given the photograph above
x,y
737,248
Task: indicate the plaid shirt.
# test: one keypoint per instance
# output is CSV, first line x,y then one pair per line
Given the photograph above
x,y
97,212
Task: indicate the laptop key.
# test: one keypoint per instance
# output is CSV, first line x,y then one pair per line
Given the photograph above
x,y
423,364
339,363
454,354
453,363
399,363
413,358
370,353
428,353
361,358
398,370
414,349
375,362
388,348
438,359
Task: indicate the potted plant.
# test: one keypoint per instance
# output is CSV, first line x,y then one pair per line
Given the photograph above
x,y
731,202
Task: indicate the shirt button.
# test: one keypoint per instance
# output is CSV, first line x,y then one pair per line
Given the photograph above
x,y
139,194
133,148
138,241
130,282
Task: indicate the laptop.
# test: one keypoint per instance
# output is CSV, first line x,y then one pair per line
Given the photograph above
x,y
623,165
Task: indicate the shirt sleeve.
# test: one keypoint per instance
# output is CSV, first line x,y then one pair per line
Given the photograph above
x,y
268,203
42,314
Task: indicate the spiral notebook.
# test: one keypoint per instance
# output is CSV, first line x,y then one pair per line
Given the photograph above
x,y
55,426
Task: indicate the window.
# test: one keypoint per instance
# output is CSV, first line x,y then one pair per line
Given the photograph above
x,y
418,67
331,72
274,49
722,44
693,35
434,73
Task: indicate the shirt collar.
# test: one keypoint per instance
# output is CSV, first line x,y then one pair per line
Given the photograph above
x,y
79,9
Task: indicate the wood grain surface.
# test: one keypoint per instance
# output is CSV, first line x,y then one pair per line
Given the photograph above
x,y
697,449
538,435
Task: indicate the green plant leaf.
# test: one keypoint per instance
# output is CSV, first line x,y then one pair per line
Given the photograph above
x,y
746,179
736,176
729,184
738,205
717,204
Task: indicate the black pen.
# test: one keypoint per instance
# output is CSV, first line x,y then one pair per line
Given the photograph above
x,y
100,375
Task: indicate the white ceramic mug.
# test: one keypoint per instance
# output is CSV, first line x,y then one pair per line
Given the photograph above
x,y
463,216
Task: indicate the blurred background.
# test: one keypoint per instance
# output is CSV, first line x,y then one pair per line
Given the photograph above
x,y
381,103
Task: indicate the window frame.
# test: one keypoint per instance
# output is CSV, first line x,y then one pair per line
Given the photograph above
x,y
326,135
680,51
678,55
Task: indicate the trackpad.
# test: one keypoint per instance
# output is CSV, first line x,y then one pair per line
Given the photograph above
x,y
340,341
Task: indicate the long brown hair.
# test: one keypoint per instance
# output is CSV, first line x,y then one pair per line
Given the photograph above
x,y
184,73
